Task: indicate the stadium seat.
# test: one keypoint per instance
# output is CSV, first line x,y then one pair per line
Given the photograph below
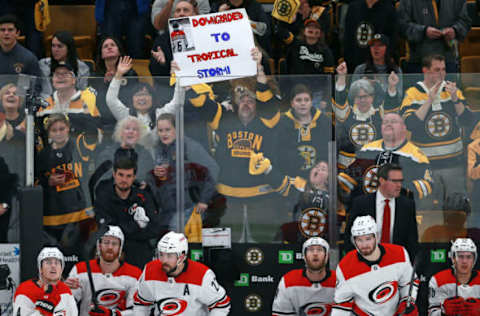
x,y
472,13
141,67
471,45
282,66
78,19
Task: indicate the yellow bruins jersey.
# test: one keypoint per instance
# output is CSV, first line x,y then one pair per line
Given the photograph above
x,y
438,135
361,176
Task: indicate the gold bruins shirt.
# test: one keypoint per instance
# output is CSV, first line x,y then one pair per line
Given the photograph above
x,y
439,135
237,141
361,176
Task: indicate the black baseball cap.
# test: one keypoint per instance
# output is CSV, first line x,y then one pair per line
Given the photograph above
x,y
380,38
63,64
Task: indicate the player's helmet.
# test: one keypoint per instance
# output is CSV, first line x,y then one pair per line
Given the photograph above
x,y
173,242
313,242
463,244
112,231
50,252
364,225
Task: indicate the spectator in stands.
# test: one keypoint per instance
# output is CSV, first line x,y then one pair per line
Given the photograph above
x,y
62,172
358,117
127,18
307,53
434,111
162,10
393,148
11,105
32,17
120,202
63,50
308,198
14,58
142,99
380,61
260,22
302,135
200,174
129,133
308,10
7,188
66,99
109,52
364,19
162,49
433,27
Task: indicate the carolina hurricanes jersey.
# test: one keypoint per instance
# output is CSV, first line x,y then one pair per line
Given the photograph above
x,y
194,291
297,295
373,288
444,285
112,290
28,293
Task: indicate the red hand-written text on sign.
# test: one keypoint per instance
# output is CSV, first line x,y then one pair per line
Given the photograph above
x,y
216,54
217,19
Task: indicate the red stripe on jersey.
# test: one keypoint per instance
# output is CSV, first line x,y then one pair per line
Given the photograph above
x,y
358,311
137,300
128,269
446,277
31,290
351,266
82,267
124,269
296,278
223,303
193,275
153,271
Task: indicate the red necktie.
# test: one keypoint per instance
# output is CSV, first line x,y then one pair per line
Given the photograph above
x,y
386,223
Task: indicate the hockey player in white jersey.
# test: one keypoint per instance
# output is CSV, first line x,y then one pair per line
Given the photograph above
x,y
375,278
175,285
456,291
307,291
47,295
114,280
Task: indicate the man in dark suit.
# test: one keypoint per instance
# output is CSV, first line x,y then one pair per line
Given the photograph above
x,y
393,212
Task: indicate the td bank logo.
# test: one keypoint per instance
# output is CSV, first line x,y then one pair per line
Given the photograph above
x,y
438,255
196,254
285,256
246,279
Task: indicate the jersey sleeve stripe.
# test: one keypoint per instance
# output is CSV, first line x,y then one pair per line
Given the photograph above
x,y
277,313
141,301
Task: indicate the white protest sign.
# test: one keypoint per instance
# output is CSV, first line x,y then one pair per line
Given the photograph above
x,y
212,47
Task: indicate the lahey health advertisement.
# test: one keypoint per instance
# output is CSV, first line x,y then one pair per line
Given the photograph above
x,y
212,47
9,276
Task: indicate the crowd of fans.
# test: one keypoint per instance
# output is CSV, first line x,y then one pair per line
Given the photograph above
x,y
256,150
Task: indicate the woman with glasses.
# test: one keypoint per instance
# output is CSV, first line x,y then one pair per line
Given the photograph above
x,y
358,120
